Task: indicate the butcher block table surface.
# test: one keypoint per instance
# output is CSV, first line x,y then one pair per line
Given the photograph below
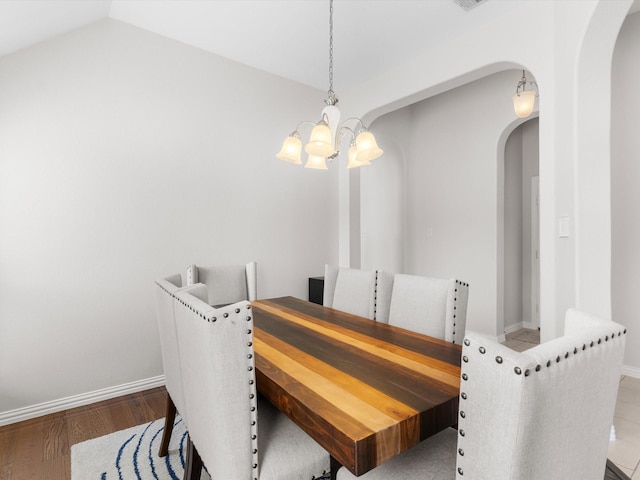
x,y
364,390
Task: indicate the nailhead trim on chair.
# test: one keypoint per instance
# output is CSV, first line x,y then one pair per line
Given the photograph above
x,y
455,299
518,371
164,289
375,297
527,372
172,295
455,308
253,398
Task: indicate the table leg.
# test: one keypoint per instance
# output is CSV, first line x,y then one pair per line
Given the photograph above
x,y
334,465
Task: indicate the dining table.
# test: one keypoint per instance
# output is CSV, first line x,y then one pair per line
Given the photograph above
x,y
364,390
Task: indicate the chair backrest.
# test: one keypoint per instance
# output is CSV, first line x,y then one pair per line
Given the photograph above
x,y
217,361
542,414
225,283
330,277
350,290
384,288
165,291
431,306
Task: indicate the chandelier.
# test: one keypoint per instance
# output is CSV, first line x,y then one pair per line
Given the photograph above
x,y
327,135
524,100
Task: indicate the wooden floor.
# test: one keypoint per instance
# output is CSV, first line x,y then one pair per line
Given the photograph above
x,y
40,449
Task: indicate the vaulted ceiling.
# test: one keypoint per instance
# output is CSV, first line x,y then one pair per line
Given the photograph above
x,y
289,38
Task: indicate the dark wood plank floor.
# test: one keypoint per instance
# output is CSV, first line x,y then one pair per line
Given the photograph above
x,y
40,449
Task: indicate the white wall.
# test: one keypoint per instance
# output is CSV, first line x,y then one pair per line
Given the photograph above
x,y
625,191
419,204
521,164
449,143
513,232
402,198
112,141
382,196
568,46
126,156
530,168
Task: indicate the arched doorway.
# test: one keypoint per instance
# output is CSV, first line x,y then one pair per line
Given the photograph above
x,y
521,228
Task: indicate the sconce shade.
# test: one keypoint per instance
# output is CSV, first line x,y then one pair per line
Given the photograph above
x,y
367,147
523,103
317,163
291,149
320,144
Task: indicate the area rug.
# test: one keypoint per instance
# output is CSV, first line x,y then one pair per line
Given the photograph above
x,y
132,454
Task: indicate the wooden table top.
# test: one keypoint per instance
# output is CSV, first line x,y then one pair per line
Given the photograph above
x,y
364,390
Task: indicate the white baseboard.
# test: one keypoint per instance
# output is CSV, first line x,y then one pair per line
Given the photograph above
x,y
631,371
529,325
513,328
33,411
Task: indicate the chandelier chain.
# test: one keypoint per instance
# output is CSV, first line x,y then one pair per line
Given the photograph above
x,y
331,100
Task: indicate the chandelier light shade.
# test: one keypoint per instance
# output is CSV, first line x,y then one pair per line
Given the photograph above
x,y
291,149
316,163
320,143
524,100
327,134
353,160
367,148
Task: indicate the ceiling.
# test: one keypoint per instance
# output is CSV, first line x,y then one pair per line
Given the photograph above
x,y
289,38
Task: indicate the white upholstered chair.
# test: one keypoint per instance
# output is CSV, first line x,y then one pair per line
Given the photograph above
x,y
538,415
235,435
214,285
432,306
350,290
165,290
225,283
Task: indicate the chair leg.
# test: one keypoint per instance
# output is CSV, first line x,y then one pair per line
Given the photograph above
x,y
193,462
334,465
169,418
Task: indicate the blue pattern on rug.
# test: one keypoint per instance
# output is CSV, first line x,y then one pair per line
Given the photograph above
x,y
119,458
135,455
